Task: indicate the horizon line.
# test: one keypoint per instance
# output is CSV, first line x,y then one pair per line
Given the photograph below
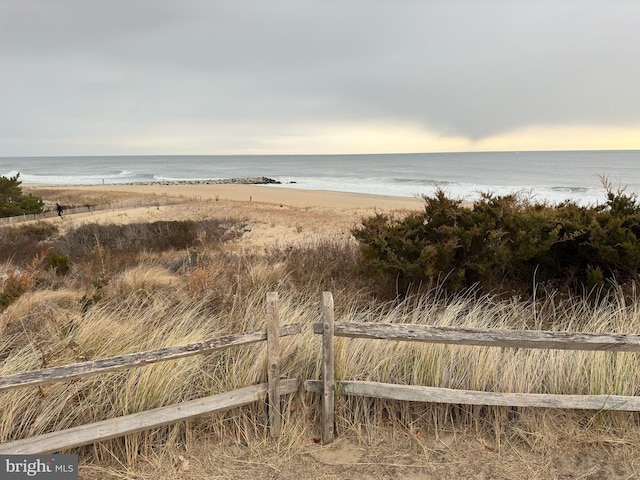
x,y
318,154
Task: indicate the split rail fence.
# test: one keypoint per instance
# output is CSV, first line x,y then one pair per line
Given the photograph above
x,y
327,386
137,422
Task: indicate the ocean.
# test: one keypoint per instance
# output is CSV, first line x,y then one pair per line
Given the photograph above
x,y
546,176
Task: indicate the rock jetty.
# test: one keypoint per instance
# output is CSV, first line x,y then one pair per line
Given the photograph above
x,y
219,181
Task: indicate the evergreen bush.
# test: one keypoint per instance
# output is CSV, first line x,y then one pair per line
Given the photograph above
x,y
58,263
13,202
507,244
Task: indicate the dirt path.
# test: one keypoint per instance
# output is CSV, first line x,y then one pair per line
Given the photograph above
x,y
392,455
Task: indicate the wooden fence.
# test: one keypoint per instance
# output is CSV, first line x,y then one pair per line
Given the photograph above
x,y
459,336
328,386
160,200
117,427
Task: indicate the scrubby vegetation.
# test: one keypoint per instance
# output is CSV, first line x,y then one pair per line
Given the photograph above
x,y
100,250
13,202
507,244
103,290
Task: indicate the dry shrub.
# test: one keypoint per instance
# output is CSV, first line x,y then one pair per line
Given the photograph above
x,y
16,282
204,278
19,244
138,237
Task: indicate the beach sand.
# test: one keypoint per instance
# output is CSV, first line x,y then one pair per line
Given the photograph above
x,y
273,215
290,197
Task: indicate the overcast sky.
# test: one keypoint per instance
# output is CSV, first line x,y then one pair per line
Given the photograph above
x,y
98,77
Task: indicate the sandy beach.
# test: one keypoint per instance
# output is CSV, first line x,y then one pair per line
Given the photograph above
x,y
290,197
272,215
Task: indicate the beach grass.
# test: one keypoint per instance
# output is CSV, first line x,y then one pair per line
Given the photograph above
x,y
113,302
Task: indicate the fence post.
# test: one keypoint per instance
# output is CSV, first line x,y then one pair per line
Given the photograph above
x,y
328,369
273,363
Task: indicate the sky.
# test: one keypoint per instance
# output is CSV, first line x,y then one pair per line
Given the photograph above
x,y
116,77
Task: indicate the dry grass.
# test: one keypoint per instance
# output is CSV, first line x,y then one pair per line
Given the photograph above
x,y
173,298
152,308
66,196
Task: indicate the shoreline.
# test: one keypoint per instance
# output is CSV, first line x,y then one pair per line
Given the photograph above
x,y
252,192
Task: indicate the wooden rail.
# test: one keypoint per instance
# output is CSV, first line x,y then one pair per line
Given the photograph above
x,y
138,422
462,336
615,342
417,393
95,367
116,427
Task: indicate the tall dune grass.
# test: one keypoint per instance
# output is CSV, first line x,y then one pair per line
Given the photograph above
x,y
163,301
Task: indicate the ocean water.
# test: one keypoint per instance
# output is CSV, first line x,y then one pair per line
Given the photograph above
x,y
548,176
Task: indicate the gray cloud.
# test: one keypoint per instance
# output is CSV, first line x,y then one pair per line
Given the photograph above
x,y
468,68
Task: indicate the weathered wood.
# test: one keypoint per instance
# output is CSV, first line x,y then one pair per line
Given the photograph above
x,y
414,393
328,368
94,367
273,363
137,422
615,342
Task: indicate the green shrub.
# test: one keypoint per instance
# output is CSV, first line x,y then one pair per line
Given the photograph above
x,y
507,244
13,202
59,263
